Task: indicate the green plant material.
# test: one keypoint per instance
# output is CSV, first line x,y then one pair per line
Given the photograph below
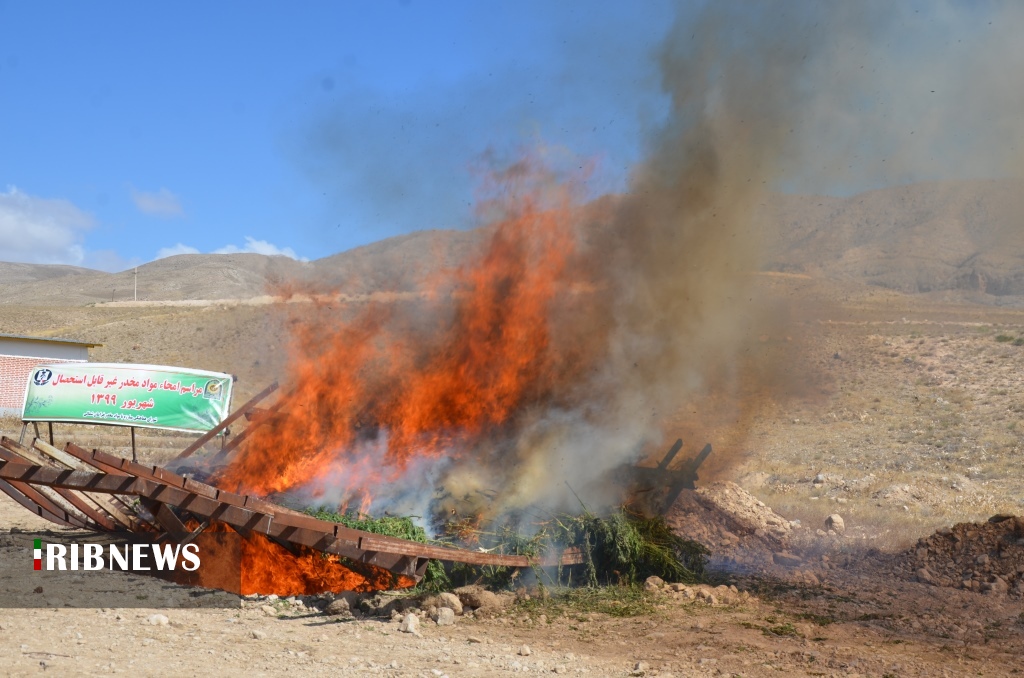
x,y
1019,341
819,619
1003,338
786,629
626,548
614,601
622,548
402,527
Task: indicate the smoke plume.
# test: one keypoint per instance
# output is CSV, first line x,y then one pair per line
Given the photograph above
x,y
584,334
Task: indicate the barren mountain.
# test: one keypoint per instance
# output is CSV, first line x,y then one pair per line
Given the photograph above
x,y
14,273
917,238
960,237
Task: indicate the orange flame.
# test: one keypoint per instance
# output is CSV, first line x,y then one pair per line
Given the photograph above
x,y
371,395
269,568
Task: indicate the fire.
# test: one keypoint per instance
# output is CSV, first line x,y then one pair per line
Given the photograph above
x,y
404,382
269,568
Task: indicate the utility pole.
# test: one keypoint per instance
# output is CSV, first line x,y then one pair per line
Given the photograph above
x,y
136,289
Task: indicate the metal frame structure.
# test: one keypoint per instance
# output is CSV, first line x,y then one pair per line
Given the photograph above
x,y
94,490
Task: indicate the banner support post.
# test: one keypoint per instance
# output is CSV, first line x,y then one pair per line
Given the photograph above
x,y
135,457
49,424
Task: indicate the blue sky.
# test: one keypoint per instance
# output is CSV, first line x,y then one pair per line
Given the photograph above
x,y
128,130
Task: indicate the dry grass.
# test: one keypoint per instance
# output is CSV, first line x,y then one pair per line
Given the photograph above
x,y
922,429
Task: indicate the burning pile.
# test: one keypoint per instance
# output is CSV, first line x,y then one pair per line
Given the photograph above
x,y
549,356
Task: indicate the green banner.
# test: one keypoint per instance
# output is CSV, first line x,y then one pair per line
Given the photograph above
x,y
146,396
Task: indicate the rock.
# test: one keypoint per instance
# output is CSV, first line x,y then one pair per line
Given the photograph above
x,y
982,559
641,667
678,588
158,620
924,576
473,639
477,597
835,522
654,583
410,624
450,600
786,559
819,479
445,616
998,585
524,651
257,634
269,611
338,606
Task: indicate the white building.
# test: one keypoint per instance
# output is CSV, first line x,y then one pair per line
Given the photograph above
x,y
20,355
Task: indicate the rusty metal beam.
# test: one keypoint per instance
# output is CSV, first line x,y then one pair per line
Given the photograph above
x,y
61,499
60,518
230,419
250,513
267,415
43,454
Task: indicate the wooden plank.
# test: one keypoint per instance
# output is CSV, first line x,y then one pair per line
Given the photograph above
x,y
209,435
56,454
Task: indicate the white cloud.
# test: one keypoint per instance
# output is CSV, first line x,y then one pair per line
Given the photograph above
x,y
260,247
164,252
41,230
160,203
252,246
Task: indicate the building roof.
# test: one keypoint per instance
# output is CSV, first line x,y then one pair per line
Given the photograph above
x,y
48,340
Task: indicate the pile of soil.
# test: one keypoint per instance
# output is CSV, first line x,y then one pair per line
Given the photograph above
x,y
742,533
983,557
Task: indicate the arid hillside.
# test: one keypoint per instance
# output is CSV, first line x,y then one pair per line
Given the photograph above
x,y
960,239
919,238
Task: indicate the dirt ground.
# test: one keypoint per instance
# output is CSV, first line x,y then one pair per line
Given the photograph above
x,y
913,426
855,621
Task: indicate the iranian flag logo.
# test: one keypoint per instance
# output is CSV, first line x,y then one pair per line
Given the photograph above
x,y
37,554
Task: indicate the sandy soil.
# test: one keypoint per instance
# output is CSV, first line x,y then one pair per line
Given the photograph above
x,y
913,427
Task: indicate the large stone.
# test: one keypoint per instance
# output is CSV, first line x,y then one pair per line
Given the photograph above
x,y
835,522
477,597
410,624
445,616
786,559
654,583
450,600
158,620
338,606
